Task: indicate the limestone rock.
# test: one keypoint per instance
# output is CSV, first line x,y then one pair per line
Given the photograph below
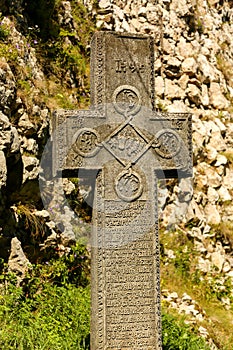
x,y
189,66
3,169
25,125
31,168
204,95
204,265
218,260
207,70
224,194
151,14
184,48
211,153
212,195
212,214
172,90
18,262
159,86
173,67
193,94
221,160
180,7
217,98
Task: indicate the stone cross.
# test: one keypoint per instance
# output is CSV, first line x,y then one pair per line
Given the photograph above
x,y
127,145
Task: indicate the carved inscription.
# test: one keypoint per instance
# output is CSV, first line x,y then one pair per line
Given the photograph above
x,y
130,270
122,66
126,143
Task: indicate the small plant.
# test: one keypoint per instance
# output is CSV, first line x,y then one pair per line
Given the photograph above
x,y
51,309
31,221
4,31
229,155
161,107
225,67
177,335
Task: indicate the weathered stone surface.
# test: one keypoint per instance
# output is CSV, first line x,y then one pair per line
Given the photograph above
x,y
172,90
218,260
3,169
18,262
193,94
25,125
212,214
217,98
224,194
189,66
159,86
204,95
31,169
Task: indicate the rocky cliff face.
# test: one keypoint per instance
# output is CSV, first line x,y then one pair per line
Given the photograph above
x,y
43,54
193,68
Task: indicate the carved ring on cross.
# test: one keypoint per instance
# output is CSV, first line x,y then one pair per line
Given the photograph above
x,y
169,143
85,142
127,100
128,185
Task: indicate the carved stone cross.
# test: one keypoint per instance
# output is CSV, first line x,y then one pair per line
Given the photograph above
x,y
128,146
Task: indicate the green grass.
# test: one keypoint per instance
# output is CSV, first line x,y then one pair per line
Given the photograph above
x,y
177,335
51,309
57,318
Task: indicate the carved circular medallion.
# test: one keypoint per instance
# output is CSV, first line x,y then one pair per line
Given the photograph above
x,y
85,142
128,185
127,100
169,143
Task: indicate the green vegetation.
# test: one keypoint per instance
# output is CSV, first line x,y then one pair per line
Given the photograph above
x,y
177,335
180,274
64,54
50,310
4,30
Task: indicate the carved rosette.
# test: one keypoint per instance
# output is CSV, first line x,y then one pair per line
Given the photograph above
x,y
127,100
168,143
128,185
85,142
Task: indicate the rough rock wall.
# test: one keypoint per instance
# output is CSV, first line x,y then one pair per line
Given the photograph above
x,y
23,126
25,112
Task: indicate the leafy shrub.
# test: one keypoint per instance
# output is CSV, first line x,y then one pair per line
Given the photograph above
x,y
57,318
177,336
4,31
51,309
